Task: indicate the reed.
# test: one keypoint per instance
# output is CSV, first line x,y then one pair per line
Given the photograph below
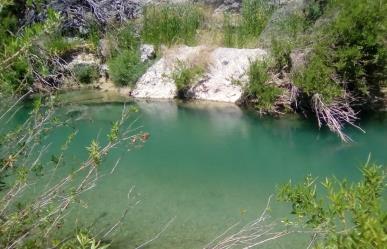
x,y
171,23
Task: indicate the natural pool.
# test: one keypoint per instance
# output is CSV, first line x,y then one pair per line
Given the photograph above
x,y
209,165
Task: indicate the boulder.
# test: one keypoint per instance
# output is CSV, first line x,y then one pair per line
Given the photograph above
x,y
147,52
223,80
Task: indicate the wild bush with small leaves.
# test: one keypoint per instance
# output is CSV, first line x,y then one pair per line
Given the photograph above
x,y
86,73
259,90
184,76
341,214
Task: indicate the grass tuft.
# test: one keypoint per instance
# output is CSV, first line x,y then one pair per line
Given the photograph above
x,y
86,73
171,23
185,75
245,29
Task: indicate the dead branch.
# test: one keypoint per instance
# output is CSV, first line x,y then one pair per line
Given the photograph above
x,y
255,233
336,114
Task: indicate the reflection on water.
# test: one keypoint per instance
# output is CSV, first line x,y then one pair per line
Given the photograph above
x,y
209,165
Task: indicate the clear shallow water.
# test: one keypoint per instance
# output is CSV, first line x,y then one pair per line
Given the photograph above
x,y
209,165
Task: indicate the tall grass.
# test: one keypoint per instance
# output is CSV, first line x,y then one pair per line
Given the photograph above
x,y
171,23
255,15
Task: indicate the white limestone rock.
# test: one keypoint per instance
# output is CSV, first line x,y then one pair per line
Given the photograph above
x,y
223,81
157,82
147,52
227,74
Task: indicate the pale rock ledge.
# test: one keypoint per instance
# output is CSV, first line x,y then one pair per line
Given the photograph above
x,y
223,81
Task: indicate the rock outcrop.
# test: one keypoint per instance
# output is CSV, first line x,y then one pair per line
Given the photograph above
x,y
222,81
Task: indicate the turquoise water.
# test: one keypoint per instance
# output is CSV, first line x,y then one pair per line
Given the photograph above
x,y
209,166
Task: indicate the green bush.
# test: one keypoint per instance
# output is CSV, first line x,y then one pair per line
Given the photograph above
x,y
350,52
123,38
314,9
86,73
259,89
317,77
281,50
171,23
292,26
126,68
184,76
345,215
357,44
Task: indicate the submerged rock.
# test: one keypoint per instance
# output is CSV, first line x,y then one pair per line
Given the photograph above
x,y
222,81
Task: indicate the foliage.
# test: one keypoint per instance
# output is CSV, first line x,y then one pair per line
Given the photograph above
x,y
59,45
83,240
281,50
20,55
185,75
86,73
314,9
359,51
347,215
171,23
350,51
254,17
122,38
230,30
293,25
259,89
317,78
38,221
126,68
124,62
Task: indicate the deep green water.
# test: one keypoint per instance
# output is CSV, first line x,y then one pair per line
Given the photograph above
x,y
208,165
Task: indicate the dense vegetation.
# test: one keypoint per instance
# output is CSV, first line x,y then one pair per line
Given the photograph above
x,y
170,24
344,45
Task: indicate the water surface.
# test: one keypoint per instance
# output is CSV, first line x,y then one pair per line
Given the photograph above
x,y
208,165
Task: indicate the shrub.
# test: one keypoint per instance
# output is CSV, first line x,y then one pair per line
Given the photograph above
x,y
314,9
259,89
345,215
357,44
185,75
281,50
86,73
123,38
350,53
317,77
292,25
126,68
171,23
